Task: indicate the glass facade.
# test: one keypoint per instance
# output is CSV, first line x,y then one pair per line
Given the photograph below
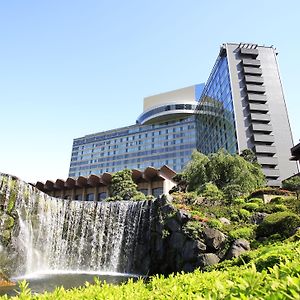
x,y
215,124
135,147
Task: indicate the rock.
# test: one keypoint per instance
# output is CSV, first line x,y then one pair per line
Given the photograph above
x,y
207,259
4,281
177,240
167,209
183,216
224,221
237,248
258,217
214,239
187,268
191,249
172,225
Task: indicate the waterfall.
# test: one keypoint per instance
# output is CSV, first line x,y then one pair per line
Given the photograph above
x,y
54,234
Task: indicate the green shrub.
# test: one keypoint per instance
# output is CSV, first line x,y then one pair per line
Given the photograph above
x,y
211,192
279,207
214,223
234,217
277,200
244,214
283,223
251,206
256,200
193,229
232,191
238,201
242,233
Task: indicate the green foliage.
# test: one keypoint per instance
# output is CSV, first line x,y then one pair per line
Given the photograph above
x,y
214,223
251,206
255,200
244,214
283,223
123,187
292,184
193,229
242,233
238,201
211,192
195,171
249,156
232,191
271,272
232,174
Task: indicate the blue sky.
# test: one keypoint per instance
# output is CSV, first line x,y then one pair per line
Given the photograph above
x,y
70,68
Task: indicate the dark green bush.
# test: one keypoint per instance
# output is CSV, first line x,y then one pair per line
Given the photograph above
x,y
251,206
283,223
256,200
242,233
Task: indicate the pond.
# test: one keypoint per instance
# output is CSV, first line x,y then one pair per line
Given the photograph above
x,y
41,282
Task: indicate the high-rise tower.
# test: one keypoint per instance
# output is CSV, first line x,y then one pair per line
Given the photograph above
x,y
243,107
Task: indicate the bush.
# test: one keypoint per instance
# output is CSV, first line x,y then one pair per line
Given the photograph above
x,y
234,217
211,192
279,207
256,200
214,223
232,191
193,229
242,233
251,206
238,201
244,214
283,223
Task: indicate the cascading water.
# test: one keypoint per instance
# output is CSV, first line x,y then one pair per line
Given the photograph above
x,y
54,234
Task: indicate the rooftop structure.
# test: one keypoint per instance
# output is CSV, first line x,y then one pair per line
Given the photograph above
x,y
151,181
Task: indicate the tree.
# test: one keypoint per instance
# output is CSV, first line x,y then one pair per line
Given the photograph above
x,y
122,187
249,156
195,171
292,184
223,170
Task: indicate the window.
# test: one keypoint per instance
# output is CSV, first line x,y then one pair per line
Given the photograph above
x,y
102,196
78,197
90,197
157,192
144,191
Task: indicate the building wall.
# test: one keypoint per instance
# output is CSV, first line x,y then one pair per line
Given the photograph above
x,y
134,147
260,115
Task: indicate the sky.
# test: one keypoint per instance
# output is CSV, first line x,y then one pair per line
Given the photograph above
x,y
71,68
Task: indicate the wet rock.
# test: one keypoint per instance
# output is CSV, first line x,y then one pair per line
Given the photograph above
x,y
187,268
207,259
172,225
224,221
191,249
258,217
183,216
177,240
237,248
214,239
167,209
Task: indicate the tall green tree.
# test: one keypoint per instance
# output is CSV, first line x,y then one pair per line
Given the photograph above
x,y
195,171
123,187
292,184
223,170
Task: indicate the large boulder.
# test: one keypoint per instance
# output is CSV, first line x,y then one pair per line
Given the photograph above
x,y
237,248
214,239
207,259
258,217
191,250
